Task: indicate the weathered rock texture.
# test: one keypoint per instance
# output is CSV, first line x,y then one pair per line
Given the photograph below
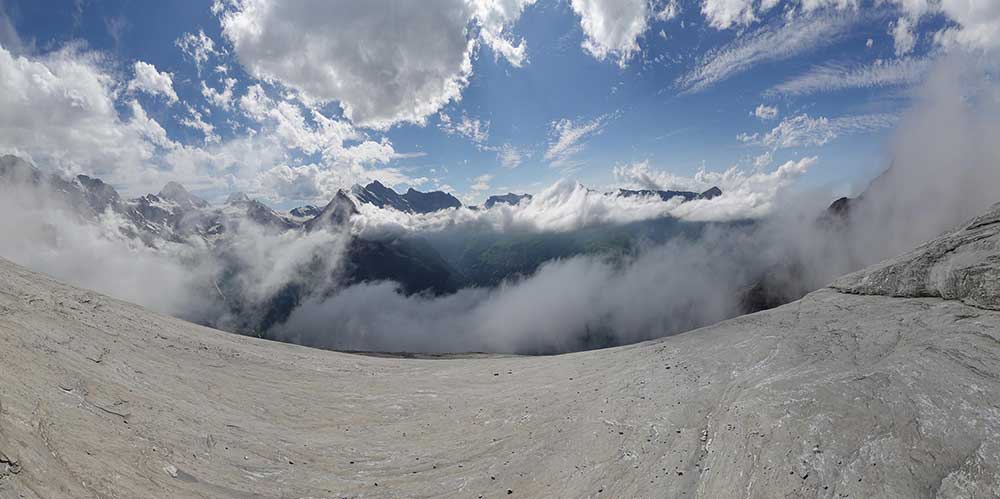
x,y
886,385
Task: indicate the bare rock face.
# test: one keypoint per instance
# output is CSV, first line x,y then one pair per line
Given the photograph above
x,y
963,266
886,385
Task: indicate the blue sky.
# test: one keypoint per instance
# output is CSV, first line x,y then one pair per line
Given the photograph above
x,y
587,90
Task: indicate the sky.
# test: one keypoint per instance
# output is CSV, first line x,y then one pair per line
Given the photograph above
x,y
291,100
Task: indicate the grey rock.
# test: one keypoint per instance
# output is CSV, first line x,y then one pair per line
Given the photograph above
x,y
335,214
885,385
413,201
177,193
668,195
509,198
304,213
963,265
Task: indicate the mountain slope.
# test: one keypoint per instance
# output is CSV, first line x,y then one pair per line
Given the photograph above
x,y
412,201
836,395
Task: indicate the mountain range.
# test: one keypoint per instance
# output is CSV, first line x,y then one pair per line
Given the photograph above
x,y
174,213
437,264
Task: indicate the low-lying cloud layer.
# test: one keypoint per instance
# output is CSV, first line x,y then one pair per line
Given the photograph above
x,y
944,170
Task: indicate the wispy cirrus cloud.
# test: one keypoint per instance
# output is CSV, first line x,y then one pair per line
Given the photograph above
x,y
568,139
508,155
806,131
773,42
476,130
835,77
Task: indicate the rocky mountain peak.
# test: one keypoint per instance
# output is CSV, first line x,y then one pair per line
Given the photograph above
x,y
337,212
99,196
238,198
711,193
176,192
509,198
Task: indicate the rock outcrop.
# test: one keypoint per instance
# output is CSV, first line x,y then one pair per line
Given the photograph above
x,y
885,385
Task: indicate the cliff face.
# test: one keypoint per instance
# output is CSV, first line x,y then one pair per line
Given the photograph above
x,y
886,384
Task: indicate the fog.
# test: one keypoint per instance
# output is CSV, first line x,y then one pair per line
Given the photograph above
x,y
945,169
571,304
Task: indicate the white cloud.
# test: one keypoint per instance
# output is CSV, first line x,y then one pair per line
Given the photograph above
x,y
979,24
612,27
668,11
568,139
765,113
806,131
195,121
567,205
766,44
903,37
723,14
509,156
495,18
472,129
59,111
833,77
763,159
385,62
744,194
286,122
481,183
148,79
224,98
319,183
149,128
198,47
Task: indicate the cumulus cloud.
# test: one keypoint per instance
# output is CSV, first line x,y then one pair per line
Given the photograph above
x,y
198,47
223,98
148,79
746,195
196,121
765,113
835,77
612,27
667,11
384,62
723,14
59,109
977,21
338,142
495,18
568,138
903,37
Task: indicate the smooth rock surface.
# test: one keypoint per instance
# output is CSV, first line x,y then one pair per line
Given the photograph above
x,y
845,393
